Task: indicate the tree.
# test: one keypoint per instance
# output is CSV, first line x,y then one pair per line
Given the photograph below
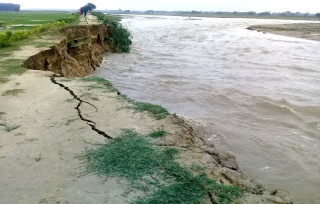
x,y
9,7
88,7
92,6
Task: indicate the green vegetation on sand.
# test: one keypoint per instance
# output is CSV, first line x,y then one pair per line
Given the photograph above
x,y
157,111
158,133
10,67
136,158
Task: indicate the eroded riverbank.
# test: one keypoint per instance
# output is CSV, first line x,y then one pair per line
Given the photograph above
x,y
251,93
56,119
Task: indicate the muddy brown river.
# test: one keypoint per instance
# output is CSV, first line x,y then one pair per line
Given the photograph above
x,y
256,95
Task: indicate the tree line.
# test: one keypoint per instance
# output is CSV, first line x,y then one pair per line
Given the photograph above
x,y
9,7
87,7
234,13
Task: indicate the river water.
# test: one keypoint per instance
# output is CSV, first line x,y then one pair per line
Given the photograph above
x,y
256,95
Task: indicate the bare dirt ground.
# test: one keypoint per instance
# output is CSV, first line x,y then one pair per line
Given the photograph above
x,y
309,31
89,19
42,160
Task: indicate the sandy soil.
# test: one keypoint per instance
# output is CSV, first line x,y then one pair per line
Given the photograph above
x,y
89,19
310,31
42,160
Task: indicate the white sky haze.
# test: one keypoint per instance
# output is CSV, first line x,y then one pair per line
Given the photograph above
x,y
312,6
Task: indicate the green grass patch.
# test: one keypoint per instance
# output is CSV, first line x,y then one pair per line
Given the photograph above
x,y
31,17
157,111
121,37
158,133
13,92
145,166
10,67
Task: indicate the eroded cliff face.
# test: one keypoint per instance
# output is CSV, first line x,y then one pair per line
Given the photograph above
x,y
78,54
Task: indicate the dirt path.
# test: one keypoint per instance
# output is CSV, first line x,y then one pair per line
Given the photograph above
x,y
88,20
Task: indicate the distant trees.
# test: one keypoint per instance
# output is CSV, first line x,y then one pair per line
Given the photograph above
x,y
88,7
150,12
92,6
266,13
221,13
9,7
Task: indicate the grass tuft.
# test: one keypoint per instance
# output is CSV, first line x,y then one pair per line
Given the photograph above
x,y
129,156
134,157
157,111
13,92
10,67
158,133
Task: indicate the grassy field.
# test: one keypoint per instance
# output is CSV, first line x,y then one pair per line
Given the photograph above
x,y
30,17
19,26
28,20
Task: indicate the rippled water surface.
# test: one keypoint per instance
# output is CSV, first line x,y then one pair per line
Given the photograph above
x,y
257,95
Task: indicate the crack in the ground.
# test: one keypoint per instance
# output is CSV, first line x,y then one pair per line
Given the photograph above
x,y
91,123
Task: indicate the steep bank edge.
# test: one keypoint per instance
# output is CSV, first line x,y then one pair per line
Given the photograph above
x,y
78,54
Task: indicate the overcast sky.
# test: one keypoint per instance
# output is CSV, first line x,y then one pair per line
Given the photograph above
x,y
312,6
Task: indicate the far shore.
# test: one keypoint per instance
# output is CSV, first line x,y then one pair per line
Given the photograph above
x,y
309,31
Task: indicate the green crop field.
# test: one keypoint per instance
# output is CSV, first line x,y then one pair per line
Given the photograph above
x,y
17,26
30,17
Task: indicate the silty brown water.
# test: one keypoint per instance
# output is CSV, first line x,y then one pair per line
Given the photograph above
x,y
256,95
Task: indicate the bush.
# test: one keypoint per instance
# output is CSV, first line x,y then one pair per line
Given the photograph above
x,y
9,37
121,37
